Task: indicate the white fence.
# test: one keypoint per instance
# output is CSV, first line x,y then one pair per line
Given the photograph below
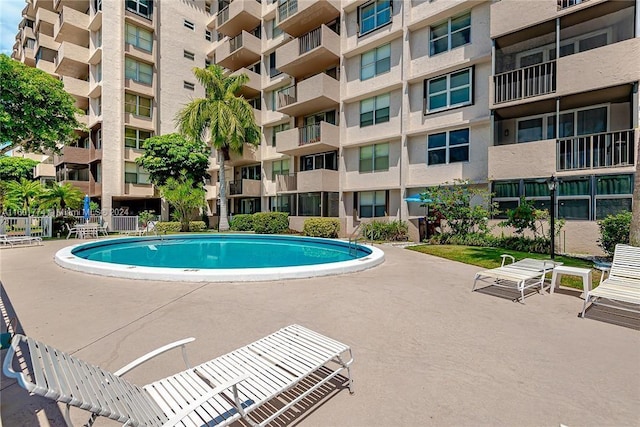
x,y
37,226
123,223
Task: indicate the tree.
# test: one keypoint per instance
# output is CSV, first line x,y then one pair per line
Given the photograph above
x,y
184,197
24,193
14,168
225,117
62,196
35,111
165,156
634,231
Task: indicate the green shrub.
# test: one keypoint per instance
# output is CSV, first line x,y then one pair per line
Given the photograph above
x,y
381,230
59,224
469,239
614,229
270,222
538,245
321,227
241,222
197,226
168,227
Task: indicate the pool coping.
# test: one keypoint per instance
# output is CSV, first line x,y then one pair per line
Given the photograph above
x,y
66,259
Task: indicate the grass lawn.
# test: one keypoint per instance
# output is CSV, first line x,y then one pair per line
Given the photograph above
x,y
490,258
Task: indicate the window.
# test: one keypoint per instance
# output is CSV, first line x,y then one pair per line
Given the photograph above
x,y
29,43
134,174
319,161
251,172
188,85
137,105
374,110
376,61
98,139
207,35
450,34
98,38
374,15
613,194
97,72
139,37
276,129
283,203
374,158
448,147
450,90
207,8
577,122
275,30
138,71
273,71
190,25
372,204
280,167
189,55
141,7
134,138
574,201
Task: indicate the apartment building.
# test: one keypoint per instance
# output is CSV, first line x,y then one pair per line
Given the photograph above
x,y
362,103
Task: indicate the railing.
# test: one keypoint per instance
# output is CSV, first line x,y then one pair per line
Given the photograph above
x,y
563,4
223,16
286,96
310,41
235,43
601,150
123,223
235,187
310,134
287,9
95,219
36,226
525,82
286,182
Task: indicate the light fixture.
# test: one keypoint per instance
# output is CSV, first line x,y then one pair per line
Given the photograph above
x,y
552,184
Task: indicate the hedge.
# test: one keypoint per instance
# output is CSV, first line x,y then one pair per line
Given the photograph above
x,y
321,227
168,227
241,222
270,222
197,226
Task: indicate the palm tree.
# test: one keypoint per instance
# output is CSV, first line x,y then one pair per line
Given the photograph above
x,y
634,233
24,193
226,118
62,196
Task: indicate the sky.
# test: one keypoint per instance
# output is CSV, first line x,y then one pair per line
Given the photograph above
x,y
10,17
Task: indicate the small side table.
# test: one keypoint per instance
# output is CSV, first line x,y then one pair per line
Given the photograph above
x,y
585,273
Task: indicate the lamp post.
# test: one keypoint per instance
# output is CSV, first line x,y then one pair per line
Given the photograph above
x,y
552,183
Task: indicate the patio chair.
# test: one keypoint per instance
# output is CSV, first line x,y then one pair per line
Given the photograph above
x,y
71,230
20,240
623,283
519,275
104,229
214,393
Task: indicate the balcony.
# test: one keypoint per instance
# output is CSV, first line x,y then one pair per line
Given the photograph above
x,y
79,5
315,138
601,150
42,170
238,16
45,21
72,60
77,88
71,26
95,189
139,190
527,82
252,88
297,17
315,51
74,155
250,155
314,94
239,51
308,181
28,56
244,188
83,186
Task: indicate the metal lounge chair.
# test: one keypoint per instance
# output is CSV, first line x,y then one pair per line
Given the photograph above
x,y
623,283
71,230
20,240
519,275
215,393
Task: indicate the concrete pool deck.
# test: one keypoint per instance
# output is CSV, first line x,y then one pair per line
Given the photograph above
x,y
427,350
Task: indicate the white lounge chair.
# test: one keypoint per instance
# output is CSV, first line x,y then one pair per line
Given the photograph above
x,y
104,229
20,240
623,283
71,230
141,231
519,275
215,393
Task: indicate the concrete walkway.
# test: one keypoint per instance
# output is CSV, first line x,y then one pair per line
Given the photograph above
x,y
428,351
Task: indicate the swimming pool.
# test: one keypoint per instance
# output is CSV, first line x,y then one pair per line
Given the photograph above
x,y
218,257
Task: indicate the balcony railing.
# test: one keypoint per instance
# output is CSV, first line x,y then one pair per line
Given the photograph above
x,y
600,150
563,4
223,16
525,82
311,40
235,187
286,96
286,182
235,43
287,9
310,134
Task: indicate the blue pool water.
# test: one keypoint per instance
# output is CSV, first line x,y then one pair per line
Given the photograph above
x,y
220,251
